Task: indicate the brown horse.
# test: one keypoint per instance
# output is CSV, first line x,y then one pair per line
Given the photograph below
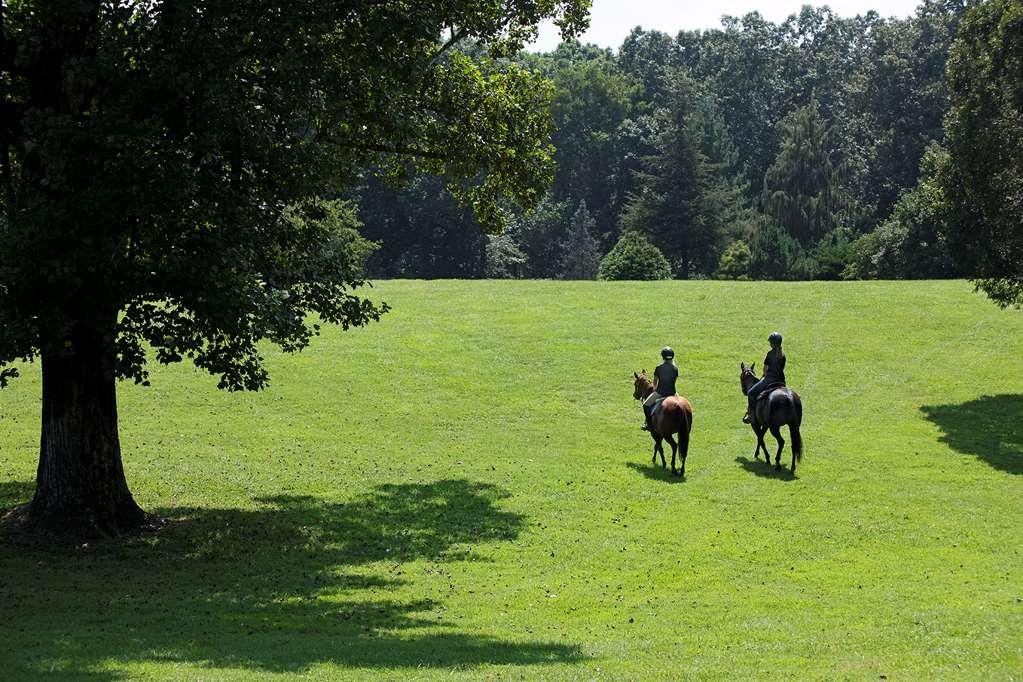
x,y
675,415
781,406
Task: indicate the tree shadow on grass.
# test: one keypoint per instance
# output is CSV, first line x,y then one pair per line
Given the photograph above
x,y
766,469
294,583
656,472
990,427
15,492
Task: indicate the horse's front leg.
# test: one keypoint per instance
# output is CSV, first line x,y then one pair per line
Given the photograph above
x,y
660,449
776,432
760,444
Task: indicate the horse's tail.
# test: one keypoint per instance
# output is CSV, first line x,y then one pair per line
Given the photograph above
x,y
797,440
683,419
685,425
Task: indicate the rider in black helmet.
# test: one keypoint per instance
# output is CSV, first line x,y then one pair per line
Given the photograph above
x,y
664,384
774,374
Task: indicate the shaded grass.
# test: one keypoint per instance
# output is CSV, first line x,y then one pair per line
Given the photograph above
x,y
990,428
462,490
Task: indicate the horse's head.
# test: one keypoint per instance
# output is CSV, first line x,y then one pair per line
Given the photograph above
x,y
747,377
642,386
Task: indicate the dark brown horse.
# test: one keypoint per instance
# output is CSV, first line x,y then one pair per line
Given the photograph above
x,y
779,407
675,415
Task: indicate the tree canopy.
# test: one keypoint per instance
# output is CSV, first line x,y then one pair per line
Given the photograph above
x,y
169,175
869,91
983,178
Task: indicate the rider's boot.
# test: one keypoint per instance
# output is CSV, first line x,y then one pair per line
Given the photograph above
x,y
648,426
746,419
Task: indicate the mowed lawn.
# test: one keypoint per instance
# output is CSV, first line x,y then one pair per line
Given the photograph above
x,y
462,490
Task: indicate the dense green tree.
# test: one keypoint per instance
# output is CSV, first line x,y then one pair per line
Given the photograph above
x,y
682,197
777,255
802,190
540,235
742,65
581,252
422,231
911,243
162,165
983,179
735,261
593,101
897,98
650,57
634,258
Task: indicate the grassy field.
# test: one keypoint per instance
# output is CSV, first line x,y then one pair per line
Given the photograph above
x,y
462,491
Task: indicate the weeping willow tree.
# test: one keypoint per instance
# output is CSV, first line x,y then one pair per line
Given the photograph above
x,y
802,188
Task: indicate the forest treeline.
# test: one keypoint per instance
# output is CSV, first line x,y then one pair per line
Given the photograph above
x,y
807,149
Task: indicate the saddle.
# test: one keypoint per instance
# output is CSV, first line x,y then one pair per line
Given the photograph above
x,y
767,391
657,404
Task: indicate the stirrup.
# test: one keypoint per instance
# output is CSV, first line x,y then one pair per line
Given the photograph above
x,y
747,419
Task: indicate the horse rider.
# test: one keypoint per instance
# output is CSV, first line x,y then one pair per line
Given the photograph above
x,y
664,385
774,375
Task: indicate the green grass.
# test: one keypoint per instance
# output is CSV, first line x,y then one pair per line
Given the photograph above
x,y
462,490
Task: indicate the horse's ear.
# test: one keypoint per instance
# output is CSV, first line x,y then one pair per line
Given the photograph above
x,y
742,366
635,375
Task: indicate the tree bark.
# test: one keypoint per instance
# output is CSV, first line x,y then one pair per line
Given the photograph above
x,y
80,484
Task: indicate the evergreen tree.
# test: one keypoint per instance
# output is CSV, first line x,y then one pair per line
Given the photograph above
x,y
582,254
775,253
681,191
802,190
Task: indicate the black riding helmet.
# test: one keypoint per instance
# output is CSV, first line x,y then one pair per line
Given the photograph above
x,y
667,353
774,339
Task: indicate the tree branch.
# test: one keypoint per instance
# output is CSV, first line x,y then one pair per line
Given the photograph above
x,y
456,37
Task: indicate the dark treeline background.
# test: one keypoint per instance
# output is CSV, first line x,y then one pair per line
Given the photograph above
x,y
801,150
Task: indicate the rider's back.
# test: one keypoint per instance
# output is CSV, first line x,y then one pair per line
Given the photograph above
x,y
666,374
774,366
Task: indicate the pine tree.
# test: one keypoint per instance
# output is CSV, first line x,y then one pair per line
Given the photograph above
x,y
802,191
681,188
582,255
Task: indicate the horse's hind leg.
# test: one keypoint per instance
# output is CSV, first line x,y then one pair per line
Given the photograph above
x,y
776,432
683,451
674,450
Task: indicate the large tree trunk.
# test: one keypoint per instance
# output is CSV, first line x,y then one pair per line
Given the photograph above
x,y
80,485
